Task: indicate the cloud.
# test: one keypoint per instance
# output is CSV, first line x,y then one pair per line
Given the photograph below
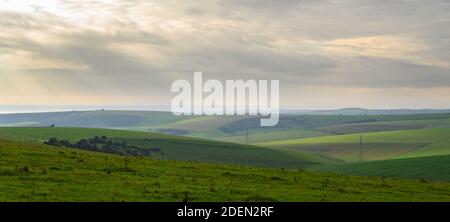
x,y
378,72
135,49
377,46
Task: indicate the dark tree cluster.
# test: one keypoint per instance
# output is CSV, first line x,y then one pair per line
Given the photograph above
x,y
104,144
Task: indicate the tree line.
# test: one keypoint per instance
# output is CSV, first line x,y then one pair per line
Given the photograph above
x,y
106,145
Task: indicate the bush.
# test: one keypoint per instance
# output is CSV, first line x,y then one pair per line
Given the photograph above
x,y
104,144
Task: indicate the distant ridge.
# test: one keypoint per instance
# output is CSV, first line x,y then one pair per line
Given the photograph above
x,y
360,111
152,119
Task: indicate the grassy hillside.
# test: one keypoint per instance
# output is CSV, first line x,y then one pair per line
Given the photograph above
x,y
305,126
175,147
230,128
361,112
375,146
30,172
202,123
92,118
429,168
367,128
260,136
432,121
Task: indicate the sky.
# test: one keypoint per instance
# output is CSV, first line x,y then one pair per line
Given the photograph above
x,y
326,54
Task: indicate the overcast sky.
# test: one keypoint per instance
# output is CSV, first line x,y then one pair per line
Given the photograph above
x,y
326,54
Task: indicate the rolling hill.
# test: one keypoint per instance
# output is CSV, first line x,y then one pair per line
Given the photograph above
x,y
36,172
175,147
99,119
435,168
231,128
300,141
374,146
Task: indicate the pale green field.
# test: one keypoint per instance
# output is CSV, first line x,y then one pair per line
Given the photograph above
x,y
272,135
202,123
382,145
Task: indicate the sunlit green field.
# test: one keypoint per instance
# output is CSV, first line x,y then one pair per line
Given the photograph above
x,y
260,136
374,146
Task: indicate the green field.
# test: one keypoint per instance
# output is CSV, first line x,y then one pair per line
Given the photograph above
x,y
304,158
374,146
104,119
260,136
426,168
377,126
307,126
202,123
30,172
230,128
177,148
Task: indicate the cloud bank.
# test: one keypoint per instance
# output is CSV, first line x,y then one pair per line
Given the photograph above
x,y
325,53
